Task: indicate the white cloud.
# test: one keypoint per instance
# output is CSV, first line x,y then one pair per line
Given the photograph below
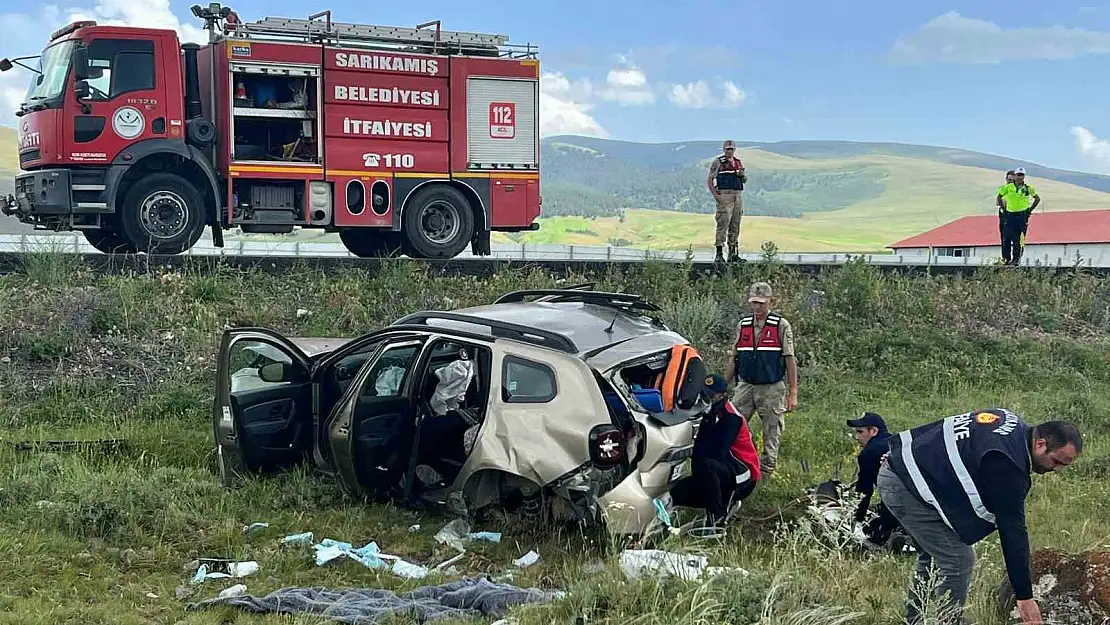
x,y
953,38
27,33
1095,149
697,95
565,107
627,86
733,95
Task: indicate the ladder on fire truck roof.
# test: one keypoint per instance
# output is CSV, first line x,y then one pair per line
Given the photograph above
x,y
314,30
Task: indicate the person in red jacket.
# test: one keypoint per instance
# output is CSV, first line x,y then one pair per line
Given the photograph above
x,y
725,462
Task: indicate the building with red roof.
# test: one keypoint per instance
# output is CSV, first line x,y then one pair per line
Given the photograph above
x,y
1054,238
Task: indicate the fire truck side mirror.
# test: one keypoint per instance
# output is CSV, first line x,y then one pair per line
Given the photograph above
x,y
81,90
5,65
81,63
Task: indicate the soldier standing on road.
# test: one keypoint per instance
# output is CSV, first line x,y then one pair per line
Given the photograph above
x,y
764,355
726,183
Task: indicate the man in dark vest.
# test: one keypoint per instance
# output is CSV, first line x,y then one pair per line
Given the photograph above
x,y
726,183
763,357
874,438
725,463
952,482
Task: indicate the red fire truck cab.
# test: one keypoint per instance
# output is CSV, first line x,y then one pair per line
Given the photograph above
x,y
403,140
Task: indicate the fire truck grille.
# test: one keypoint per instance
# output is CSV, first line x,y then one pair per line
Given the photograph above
x,y
28,156
25,185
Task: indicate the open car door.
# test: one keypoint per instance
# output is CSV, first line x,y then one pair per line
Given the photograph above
x,y
262,414
372,426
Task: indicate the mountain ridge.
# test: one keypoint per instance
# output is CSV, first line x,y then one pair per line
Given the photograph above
x,y
835,148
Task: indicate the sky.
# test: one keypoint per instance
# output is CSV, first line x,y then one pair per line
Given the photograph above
x,y
1019,78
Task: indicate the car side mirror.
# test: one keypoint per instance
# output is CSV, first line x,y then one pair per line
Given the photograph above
x,y
274,372
80,63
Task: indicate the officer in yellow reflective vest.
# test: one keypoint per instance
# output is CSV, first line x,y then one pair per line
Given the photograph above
x,y
1014,202
1001,211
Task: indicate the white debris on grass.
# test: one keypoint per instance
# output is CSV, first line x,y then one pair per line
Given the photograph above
x,y
369,556
238,590
457,533
635,563
304,538
527,559
234,569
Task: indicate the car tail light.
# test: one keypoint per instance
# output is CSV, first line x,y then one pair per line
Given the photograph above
x,y
608,446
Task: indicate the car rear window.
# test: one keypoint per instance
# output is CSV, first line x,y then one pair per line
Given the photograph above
x,y
527,381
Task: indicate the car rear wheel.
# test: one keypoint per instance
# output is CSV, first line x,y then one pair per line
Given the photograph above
x,y
438,222
162,214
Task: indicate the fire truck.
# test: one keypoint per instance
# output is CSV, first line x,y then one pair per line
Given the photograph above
x,y
415,141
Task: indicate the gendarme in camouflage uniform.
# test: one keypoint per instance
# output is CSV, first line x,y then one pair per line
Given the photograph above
x,y
764,370
726,183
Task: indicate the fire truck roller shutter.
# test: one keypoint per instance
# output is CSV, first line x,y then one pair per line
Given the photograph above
x,y
502,122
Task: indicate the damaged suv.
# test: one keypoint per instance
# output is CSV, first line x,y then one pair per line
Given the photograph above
x,y
571,403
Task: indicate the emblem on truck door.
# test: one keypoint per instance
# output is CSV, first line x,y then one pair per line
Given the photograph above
x,y
128,122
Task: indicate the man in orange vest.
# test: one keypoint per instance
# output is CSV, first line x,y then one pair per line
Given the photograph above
x,y
764,357
726,183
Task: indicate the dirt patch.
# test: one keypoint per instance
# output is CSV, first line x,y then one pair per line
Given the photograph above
x,y
1070,588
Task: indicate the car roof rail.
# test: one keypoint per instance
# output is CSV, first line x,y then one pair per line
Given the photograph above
x,y
503,329
455,332
604,298
625,302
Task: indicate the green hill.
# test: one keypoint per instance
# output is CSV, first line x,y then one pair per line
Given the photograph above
x,y
806,196
9,158
598,178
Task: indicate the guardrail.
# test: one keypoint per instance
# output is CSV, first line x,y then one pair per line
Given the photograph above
x,y
75,243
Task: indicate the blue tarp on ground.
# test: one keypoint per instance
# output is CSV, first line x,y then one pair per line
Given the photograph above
x,y
463,599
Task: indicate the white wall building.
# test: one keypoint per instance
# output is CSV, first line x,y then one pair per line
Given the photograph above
x,y
1054,238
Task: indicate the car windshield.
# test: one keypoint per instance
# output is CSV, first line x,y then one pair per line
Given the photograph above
x,y
54,65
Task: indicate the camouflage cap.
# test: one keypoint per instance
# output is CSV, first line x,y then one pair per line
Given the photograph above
x,y
759,292
729,143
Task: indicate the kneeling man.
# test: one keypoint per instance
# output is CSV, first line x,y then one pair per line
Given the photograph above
x,y
725,462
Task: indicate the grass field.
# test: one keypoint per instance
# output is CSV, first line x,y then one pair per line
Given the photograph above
x,y
104,537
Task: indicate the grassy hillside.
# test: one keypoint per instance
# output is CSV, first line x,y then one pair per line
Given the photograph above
x,y
678,153
916,195
9,163
106,537
9,152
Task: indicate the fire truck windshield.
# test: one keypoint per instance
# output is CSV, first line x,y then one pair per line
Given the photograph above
x,y
46,88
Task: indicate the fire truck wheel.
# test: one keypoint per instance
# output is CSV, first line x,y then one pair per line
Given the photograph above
x,y
372,242
162,214
109,241
438,223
